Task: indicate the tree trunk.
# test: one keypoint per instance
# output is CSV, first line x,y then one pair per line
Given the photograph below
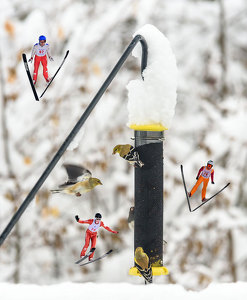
x,y
223,51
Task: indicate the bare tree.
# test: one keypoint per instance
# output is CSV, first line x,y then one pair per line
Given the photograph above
x,y
223,49
13,196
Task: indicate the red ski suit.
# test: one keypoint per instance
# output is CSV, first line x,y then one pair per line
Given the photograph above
x,y
91,234
43,61
40,52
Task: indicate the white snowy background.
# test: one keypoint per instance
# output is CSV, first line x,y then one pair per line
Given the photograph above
x,y
203,248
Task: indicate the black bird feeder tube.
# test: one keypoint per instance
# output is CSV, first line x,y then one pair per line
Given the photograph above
x,y
148,230
75,130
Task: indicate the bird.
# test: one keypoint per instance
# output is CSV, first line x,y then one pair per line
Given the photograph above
x,y
142,263
131,217
79,181
128,153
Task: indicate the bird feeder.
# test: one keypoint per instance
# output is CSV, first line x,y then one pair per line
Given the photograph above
x,y
151,107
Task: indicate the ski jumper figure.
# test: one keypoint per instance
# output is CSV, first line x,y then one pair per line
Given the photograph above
x,y
91,233
40,51
203,176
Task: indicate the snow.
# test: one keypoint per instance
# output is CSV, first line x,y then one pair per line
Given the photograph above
x,y
120,291
153,100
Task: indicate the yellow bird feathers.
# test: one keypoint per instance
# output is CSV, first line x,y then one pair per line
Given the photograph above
x,y
143,265
80,181
141,258
128,153
80,187
122,149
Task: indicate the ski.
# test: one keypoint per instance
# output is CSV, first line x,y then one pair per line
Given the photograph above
x,y
93,260
24,58
86,256
186,192
67,52
211,197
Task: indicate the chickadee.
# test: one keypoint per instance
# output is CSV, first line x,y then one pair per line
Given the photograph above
x,y
142,263
79,181
128,153
131,217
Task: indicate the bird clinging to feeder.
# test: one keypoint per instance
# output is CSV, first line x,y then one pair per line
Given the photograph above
x,y
142,263
128,153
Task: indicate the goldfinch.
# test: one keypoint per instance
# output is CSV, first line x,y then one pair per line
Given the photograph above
x,y
143,265
128,153
79,181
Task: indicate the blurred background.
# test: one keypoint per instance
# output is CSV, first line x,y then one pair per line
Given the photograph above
x,y
209,40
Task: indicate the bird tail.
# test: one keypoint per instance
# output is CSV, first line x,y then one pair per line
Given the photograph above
x,y
139,163
146,274
55,191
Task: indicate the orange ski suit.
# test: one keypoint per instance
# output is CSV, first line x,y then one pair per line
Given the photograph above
x,y
91,234
203,177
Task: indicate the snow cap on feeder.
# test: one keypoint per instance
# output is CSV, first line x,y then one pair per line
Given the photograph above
x,y
152,101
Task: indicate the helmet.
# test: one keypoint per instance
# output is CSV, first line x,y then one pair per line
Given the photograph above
x,y
210,162
42,38
98,216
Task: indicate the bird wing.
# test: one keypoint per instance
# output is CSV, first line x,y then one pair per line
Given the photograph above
x,y
75,171
85,176
65,185
141,258
143,262
125,149
75,174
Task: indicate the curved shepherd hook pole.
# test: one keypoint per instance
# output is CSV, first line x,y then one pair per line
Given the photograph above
x,y
75,130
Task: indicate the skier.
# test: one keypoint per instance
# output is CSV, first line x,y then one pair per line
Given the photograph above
x,y
91,233
203,176
40,51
